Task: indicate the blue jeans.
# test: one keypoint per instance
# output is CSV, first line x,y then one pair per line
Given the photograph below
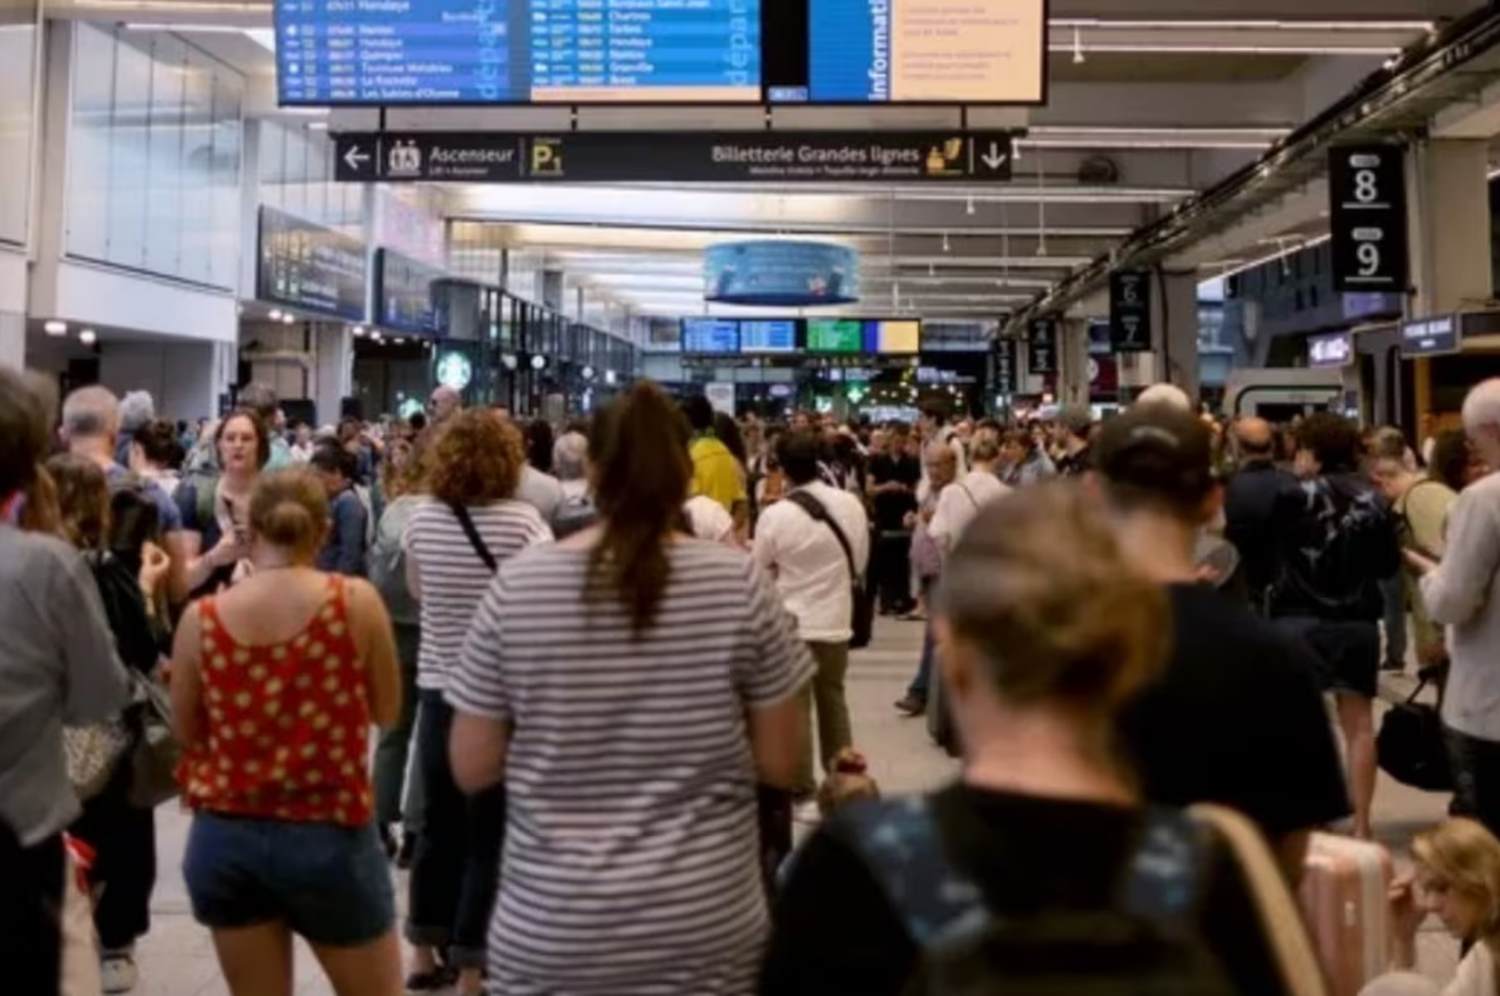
x,y
1393,593
919,684
328,883
455,871
395,747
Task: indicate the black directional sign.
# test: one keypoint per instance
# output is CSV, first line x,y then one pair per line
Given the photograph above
x,y
1130,311
707,157
1367,216
1005,366
1041,346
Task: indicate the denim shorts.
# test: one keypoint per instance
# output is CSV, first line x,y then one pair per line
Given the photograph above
x,y
329,884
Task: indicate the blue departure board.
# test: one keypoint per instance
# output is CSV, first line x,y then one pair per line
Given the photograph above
x,y
710,335
768,337
393,52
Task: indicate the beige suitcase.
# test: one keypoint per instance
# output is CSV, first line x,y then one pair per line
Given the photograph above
x,y
1345,898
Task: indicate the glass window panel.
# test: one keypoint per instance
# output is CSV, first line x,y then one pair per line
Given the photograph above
x,y
199,224
87,212
129,156
224,178
163,242
17,57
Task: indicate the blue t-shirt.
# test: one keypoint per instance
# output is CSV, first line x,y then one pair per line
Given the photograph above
x,y
167,511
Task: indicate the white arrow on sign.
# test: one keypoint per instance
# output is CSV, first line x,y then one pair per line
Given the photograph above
x,y
355,158
995,158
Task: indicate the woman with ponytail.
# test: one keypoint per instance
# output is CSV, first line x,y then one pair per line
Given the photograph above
x,y
630,686
275,684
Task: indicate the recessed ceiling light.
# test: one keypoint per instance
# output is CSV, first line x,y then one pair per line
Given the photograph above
x,y
288,319
55,327
358,330
88,337
275,315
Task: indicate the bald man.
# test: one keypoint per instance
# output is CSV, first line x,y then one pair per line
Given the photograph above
x,y
443,404
1250,505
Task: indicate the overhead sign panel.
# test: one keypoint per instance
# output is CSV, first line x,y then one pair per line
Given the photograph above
x,y
1367,215
1005,366
671,157
1336,349
926,51
394,52
1130,311
1430,336
309,267
1041,346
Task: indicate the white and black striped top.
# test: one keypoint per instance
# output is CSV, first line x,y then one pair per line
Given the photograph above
x,y
631,850
453,577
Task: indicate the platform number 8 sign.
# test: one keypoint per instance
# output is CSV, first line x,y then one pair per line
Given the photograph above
x,y
1367,214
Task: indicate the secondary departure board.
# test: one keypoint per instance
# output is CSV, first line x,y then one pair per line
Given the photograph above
x,y
403,52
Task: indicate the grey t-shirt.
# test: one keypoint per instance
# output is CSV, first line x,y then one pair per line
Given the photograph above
x,y
542,492
57,664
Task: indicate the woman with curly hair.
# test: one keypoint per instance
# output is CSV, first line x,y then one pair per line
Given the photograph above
x,y
468,524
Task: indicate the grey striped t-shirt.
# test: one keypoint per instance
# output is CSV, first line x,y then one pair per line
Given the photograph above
x,y
631,851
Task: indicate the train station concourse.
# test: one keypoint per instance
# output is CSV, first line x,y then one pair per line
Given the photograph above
x,y
589,406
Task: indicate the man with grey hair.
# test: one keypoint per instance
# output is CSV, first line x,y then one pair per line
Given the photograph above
x,y
1462,594
570,462
137,409
261,399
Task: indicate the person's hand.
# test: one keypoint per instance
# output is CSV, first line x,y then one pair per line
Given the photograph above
x,y
228,550
1420,562
909,520
1407,912
154,566
1208,574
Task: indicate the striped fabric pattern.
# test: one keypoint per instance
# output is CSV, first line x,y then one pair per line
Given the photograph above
x,y
454,578
630,859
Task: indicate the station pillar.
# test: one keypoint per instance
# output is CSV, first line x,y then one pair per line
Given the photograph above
x,y
333,370
12,340
1174,319
1073,361
1449,233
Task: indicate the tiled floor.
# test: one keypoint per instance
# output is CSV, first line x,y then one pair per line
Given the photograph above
x,y
177,958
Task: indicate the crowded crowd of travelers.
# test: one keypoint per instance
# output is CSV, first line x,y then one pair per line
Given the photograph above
x,y
587,684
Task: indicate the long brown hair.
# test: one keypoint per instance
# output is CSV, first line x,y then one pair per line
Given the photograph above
x,y
638,447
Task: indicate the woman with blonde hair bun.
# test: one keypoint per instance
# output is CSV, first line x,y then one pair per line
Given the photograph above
x,y
275,684
1044,630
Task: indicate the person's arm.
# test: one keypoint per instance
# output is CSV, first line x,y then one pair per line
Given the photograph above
x,y
859,542
769,677
413,568
942,515
1455,590
763,547
376,642
350,519
97,686
479,740
187,678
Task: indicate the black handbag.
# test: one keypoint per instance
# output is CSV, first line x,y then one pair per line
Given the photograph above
x,y
1411,746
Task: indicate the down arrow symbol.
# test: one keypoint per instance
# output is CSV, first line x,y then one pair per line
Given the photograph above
x,y
994,158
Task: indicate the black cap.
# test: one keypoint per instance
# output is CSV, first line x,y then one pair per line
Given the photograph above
x,y
1157,449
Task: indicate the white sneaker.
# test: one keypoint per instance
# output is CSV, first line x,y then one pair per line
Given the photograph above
x,y
118,971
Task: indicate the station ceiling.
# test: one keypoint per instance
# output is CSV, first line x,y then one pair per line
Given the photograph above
x,y
1148,103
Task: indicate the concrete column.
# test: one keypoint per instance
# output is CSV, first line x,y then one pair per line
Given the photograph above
x,y
12,341
1449,233
1073,361
1174,325
333,369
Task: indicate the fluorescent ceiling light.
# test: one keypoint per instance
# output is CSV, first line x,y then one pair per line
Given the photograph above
x,y
1144,143
1234,266
185,28
1352,27
1167,132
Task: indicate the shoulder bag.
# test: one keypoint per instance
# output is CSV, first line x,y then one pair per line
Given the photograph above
x,y
475,540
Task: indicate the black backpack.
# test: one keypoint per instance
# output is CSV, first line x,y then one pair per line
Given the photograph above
x,y
1148,944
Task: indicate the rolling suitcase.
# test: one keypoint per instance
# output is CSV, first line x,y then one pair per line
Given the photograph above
x,y
1344,897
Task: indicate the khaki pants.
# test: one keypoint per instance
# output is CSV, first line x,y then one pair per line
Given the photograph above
x,y
824,696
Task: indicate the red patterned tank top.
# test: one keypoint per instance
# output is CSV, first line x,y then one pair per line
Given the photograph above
x,y
287,723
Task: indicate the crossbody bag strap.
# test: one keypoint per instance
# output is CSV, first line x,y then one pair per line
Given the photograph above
x,y
815,508
475,540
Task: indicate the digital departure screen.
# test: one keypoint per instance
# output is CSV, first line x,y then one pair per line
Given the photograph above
x,y
455,52
768,337
893,337
835,335
710,335
392,52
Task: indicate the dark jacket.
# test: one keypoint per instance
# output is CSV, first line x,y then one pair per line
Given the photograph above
x,y
1337,541
1250,504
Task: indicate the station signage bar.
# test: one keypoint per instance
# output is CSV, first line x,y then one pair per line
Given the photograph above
x,y
1367,217
1443,334
1336,349
1005,366
1130,311
672,157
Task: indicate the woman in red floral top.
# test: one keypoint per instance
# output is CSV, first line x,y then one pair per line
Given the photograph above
x,y
275,684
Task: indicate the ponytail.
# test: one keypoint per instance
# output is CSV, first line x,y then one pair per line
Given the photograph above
x,y
639,449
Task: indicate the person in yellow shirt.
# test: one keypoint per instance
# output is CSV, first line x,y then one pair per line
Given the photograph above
x,y
716,472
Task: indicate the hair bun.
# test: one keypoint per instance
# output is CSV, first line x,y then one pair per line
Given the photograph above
x,y
850,762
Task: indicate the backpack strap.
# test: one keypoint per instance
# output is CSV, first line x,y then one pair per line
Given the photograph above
x,y
900,844
815,509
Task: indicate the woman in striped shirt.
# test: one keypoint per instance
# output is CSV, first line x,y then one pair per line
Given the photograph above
x,y
468,526
630,686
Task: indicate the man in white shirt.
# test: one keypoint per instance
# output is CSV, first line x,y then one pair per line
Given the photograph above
x,y
812,571
958,503
933,427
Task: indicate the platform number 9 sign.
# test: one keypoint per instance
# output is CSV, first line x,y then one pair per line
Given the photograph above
x,y
1369,217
